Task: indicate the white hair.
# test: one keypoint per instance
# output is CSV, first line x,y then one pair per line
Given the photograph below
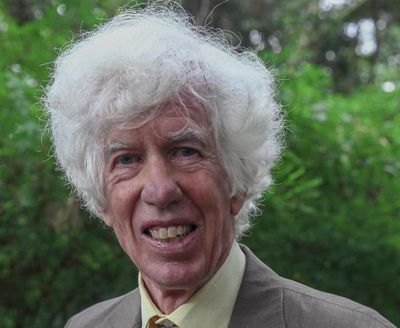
x,y
142,59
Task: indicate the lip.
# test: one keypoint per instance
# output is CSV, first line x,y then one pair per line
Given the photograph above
x,y
165,223
179,246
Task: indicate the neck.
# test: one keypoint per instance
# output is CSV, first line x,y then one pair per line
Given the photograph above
x,y
167,300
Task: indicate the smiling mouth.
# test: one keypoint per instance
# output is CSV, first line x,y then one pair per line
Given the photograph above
x,y
170,233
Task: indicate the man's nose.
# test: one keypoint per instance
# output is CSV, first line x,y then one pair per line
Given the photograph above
x,y
160,188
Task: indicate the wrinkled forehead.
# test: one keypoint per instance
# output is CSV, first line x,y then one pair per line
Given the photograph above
x,y
169,120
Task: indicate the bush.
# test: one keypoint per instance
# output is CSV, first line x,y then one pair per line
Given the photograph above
x,y
332,219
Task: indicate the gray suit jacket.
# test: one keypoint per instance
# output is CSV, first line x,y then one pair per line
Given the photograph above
x,y
264,300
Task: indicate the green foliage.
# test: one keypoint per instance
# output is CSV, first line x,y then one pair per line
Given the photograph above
x,y
331,220
54,260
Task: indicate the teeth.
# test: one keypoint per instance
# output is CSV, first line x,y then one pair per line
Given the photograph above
x,y
154,234
170,232
180,230
163,233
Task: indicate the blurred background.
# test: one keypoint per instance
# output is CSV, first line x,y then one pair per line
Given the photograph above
x,y
332,219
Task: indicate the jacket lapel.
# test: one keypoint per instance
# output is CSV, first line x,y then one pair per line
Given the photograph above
x,y
259,301
127,314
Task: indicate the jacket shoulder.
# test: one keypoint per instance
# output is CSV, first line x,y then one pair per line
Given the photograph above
x,y
304,306
264,297
103,313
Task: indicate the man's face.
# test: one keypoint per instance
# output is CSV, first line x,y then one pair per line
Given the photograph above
x,y
168,199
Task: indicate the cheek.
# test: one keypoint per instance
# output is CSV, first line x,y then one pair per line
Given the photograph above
x,y
126,239
219,220
122,236
122,206
123,200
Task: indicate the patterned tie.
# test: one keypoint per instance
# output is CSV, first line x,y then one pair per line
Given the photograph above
x,y
165,324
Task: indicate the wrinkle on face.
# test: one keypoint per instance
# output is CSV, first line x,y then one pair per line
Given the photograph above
x,y
165,173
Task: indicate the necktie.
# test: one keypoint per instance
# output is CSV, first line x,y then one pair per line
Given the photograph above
x,y
152,322
165,324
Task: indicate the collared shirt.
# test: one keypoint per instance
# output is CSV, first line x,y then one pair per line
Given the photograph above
x,y
211,306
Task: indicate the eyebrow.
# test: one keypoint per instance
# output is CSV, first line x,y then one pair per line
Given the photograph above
x,y
187,134
115,147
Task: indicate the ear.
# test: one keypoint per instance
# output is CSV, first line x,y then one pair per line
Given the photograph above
x,y
237,203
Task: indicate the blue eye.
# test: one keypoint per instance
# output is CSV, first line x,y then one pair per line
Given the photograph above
x,y
186,151
183,153
125,159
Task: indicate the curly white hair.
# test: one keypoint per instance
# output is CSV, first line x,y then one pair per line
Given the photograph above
x,y
142,59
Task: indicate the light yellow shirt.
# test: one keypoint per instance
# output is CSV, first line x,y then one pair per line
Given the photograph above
x,y
211,306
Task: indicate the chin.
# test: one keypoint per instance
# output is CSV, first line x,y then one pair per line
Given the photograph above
x,y
178,276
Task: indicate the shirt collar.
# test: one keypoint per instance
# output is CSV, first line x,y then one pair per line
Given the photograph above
x,y
212,305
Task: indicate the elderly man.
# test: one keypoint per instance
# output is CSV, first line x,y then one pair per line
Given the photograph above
x,y
168,135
